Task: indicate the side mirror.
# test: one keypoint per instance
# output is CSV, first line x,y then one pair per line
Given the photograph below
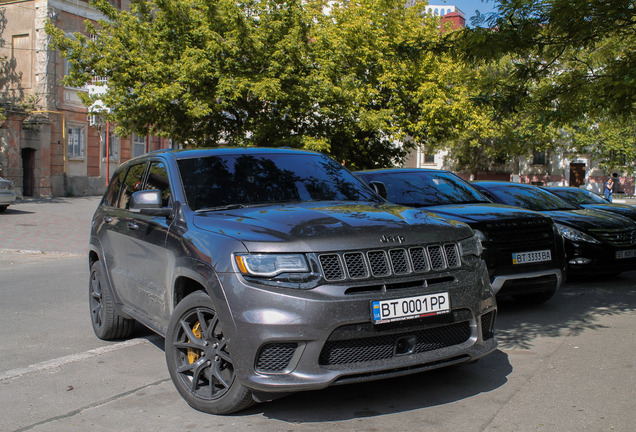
x,y
148,202
379,188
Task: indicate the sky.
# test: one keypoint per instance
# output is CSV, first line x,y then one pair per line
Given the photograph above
x,y
468,6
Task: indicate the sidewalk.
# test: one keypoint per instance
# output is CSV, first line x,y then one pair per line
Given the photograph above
x,y
56,225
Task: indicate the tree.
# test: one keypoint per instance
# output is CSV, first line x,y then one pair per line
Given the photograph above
x,y
612,141
339,78
569,58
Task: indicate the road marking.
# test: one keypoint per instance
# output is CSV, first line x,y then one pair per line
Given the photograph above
x,y
73,358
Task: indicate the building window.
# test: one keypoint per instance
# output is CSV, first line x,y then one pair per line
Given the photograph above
x,y
112,144
539,157
76,140
139,145
429,156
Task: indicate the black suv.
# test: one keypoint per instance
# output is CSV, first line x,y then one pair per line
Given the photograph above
x,y
272,271
523,252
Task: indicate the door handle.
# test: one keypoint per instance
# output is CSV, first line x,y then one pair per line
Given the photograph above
x,y
133,226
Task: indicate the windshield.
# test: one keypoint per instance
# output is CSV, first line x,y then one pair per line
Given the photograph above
x,y
238,180
425,188
579,196
531,198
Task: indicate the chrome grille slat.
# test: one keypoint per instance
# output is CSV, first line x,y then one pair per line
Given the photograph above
x,y
617,237
378,263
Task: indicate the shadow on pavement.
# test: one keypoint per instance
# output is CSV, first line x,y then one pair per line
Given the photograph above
x,y
571,311
13,211
427,389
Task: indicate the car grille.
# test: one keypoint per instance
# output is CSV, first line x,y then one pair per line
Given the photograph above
x,y
617,237
275,357
519,232
382,263
384,346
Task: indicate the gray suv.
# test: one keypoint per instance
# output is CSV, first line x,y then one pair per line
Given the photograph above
x,y
270,271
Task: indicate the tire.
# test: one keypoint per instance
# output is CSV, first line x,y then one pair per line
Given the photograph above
x,y
3,208
536,298
198,359
107,323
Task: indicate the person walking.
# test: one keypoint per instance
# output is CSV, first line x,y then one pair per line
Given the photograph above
x,y
609,187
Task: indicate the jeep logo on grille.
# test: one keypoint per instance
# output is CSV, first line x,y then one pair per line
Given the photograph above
x,y
392,239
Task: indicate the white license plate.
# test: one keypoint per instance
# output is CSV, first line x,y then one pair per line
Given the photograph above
x,y
385,311
531,257
626,254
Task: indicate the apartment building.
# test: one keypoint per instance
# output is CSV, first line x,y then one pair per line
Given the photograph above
x,y
56,149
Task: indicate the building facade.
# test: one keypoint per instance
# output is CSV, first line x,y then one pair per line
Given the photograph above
x,y
54,148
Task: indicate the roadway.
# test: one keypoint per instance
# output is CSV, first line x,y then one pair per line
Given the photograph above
x,y
567,365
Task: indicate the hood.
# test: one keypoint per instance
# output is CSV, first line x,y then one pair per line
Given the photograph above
x,y
330,226
483,213
590,219
621,209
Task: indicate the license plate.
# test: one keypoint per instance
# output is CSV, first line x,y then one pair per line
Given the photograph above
x,y
626,254
385,311
531,257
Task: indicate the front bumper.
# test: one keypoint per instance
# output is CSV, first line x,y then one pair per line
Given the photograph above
x,y
596,259
290,340
529,282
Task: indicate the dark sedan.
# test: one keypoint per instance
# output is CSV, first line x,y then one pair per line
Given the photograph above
x,y
590,200
596,242
522,250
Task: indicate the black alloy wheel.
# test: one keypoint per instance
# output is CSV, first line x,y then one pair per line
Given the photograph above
x,y
198,359
107,323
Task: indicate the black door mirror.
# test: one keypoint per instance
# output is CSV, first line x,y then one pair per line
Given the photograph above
x,y
379,188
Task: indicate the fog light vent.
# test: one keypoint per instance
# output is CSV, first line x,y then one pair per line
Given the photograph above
x,y
275,357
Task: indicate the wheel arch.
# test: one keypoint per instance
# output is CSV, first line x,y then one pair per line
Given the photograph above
x,y
191,276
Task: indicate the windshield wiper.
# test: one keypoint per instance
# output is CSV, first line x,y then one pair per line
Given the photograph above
x,y
223,207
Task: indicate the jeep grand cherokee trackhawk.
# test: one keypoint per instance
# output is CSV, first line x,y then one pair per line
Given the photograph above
x,y
273,271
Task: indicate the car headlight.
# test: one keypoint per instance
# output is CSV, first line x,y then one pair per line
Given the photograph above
x,y
471,246
480,235
269,265
574,235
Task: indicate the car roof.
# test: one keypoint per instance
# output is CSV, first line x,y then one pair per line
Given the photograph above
x,y
400,170
564,188
204,152
492,183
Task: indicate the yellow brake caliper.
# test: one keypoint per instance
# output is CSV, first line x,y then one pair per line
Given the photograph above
x,y
193,355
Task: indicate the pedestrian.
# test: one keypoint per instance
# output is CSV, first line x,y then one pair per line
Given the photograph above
x,y
609,187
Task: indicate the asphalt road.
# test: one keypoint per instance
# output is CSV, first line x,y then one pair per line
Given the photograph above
x,y
567,365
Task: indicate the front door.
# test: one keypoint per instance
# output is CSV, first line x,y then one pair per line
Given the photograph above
x,y
577,174
28,172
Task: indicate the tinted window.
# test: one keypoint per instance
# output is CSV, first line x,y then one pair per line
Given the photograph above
x,y
530,198
426,188
111,196
579,196
131,184
258,179
158,179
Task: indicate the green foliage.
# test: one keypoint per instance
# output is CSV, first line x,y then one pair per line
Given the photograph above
x,y
545,68
611,141
344,79
568,58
